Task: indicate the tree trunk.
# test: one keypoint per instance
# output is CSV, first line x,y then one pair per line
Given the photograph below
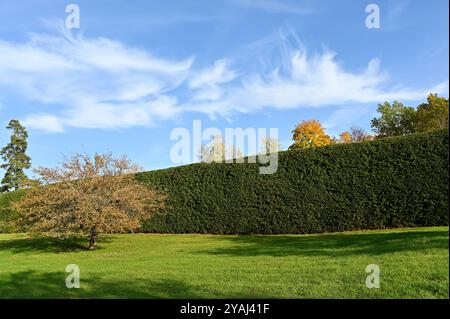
x,y
93,239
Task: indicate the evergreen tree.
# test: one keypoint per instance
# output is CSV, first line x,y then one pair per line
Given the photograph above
x,y
15,158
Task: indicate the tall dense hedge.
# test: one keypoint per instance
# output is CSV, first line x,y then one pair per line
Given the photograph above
x,y
392,182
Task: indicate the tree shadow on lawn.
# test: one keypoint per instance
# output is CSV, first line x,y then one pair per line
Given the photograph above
x,y
41,244
32,284
333,245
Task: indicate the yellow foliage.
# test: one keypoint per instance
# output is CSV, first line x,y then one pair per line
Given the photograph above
x,y
309,133
88,196
345,137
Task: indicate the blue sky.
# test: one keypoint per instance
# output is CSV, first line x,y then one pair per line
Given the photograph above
x,y
136,70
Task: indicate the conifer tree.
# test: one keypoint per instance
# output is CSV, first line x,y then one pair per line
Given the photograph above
x,y
15,158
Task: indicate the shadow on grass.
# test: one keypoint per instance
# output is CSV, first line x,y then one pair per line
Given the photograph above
x,y
48,244
32,284
333,245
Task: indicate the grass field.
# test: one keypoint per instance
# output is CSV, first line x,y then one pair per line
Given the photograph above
x,y
414,263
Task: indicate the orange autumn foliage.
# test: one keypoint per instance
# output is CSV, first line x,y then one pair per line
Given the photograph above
x,y
309,133
346,137
87,196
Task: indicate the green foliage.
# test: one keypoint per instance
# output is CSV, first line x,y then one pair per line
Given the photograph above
x,y
15,157
7,215
397,119
401,181
432,115
394,120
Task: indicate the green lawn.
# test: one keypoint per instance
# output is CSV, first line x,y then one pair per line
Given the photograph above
x,y
414,264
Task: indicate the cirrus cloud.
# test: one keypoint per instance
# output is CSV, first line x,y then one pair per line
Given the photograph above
x,y
105,84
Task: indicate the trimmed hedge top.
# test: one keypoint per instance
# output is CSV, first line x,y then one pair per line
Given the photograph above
x,y
393,182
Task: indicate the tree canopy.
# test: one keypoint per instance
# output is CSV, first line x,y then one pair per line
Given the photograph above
x,y
432,115
87,196
309,133
396,119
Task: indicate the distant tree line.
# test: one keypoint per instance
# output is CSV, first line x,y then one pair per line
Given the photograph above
x,y
394,119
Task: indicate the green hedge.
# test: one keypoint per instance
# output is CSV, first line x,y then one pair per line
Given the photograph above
x,y
392,182
8,215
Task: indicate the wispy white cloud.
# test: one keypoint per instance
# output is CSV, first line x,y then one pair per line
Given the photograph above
x,y
320,80
393,18
101,83
97,83
207,83
217,74
45,122
311,81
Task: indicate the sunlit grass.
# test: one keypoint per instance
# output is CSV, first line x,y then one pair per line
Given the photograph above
x,y
414,263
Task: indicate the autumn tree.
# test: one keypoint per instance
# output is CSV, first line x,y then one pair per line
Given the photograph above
x,y
395,119
355,135
16,161
88,196
358,134
345,137
432,115
309,133
218,152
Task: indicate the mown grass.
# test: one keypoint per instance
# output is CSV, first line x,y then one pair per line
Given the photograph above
x,y
414,264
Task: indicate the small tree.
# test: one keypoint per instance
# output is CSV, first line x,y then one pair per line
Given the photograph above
x,y
395,119
345,137
218,152
213,152
358,134
87,196
15,157
432,115
309,133
355,135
